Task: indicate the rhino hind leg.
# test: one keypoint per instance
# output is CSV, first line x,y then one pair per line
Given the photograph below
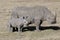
x,y
10,28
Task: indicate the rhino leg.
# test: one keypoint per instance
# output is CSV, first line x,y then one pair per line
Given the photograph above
x,y
21,28
18,28
37,27
10,28
38,24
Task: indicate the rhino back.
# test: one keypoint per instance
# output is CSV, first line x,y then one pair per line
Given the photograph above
x,y
38,11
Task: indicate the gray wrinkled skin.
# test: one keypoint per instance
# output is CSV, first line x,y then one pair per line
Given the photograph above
x,y
38,14
17,22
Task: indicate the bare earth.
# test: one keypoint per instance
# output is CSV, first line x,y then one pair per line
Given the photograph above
x,y
49,34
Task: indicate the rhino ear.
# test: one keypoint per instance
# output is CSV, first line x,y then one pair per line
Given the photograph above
x,y
26,16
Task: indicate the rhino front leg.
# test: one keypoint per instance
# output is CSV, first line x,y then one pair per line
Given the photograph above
x,y
25,25
37,27
18,28
38,24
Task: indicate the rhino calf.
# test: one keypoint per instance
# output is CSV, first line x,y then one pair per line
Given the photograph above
x,y
38,14
17,22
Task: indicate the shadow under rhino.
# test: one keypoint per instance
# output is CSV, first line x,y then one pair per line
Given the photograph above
x,y
33,28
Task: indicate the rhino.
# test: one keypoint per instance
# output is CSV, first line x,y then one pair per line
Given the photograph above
x,y
17,23
36,14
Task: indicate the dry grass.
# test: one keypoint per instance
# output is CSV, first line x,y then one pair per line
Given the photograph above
x,y
43,35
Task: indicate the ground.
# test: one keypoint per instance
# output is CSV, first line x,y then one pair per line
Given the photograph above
x,y
48,34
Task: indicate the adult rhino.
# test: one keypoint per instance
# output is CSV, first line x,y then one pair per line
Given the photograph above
x,y
36,14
